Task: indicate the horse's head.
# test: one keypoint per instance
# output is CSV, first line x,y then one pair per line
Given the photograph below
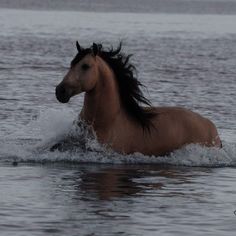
x,y
82,75
108,74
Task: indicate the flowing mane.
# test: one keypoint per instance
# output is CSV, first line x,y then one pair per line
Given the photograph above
x,y
129,87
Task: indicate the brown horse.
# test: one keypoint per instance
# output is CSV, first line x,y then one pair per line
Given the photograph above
x,y
112,107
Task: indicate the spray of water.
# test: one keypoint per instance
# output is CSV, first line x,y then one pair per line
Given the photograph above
x,y
58,136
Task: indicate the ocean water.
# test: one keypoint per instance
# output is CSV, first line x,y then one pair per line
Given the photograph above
x,y
183,60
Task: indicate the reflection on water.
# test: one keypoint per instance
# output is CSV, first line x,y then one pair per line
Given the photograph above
x,y
109,199
110,183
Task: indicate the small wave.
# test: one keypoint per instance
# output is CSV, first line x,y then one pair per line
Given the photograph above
x,y
34,142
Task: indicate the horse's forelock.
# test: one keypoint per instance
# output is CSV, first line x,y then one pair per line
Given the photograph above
x,y
80,55
95,49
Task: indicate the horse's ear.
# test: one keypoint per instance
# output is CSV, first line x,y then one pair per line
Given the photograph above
x,y
95,49
78,47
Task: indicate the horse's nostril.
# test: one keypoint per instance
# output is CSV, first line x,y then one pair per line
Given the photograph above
x,y
60,90
62,94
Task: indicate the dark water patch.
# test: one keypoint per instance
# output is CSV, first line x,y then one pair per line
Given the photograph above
x,y
8,99
51,230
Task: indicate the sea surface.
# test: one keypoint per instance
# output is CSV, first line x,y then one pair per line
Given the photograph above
x,y
183,60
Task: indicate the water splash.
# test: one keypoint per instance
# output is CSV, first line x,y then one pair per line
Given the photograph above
x,y
34,142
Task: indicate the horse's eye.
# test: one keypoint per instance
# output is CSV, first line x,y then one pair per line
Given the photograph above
x,y
85,67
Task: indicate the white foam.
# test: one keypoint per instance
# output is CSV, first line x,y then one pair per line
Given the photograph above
x,y
32,143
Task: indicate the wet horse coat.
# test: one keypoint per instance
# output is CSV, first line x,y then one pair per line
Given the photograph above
x,y
112,107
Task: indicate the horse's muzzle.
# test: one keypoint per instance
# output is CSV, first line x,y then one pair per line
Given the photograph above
x,y
62,94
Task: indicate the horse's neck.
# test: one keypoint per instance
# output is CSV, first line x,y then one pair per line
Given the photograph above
x,y
102,104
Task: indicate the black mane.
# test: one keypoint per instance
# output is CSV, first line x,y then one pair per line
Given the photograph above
x,y
129,87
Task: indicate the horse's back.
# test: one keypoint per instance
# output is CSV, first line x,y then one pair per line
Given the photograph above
x,y
178,126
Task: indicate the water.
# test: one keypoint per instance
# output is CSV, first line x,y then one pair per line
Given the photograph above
x,y
184,60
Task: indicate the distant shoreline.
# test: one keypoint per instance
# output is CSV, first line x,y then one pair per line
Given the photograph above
x,y
221,7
